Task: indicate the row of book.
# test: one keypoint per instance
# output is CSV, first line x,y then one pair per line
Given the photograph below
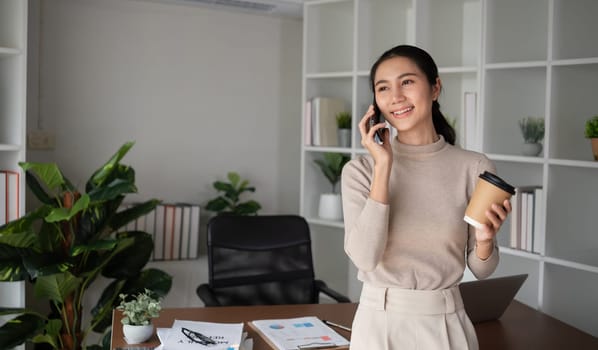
x,y
174,228
527,221
320,120
9,196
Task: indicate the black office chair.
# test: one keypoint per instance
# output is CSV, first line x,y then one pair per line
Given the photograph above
x,y
261,260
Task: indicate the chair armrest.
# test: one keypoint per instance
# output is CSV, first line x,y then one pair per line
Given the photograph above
x,y
323,288
206,294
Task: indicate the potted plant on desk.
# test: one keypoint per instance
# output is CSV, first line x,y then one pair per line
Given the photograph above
x,y
330,206
138,312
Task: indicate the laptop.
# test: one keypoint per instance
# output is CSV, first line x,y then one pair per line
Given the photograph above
x,y
487,300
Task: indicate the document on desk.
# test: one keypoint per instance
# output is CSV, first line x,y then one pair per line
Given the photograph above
x,y
196,335
298,333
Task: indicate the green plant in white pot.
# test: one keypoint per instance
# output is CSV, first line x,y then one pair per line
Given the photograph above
x,y
532,130
591,132
138,312
332,164
343,123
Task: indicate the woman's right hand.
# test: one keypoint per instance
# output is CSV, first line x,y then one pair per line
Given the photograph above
x,y
382,153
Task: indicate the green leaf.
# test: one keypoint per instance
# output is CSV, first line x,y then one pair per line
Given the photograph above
x,y
38,190
248,208
16,331
18,240
56,287
130,214
217,204
133,254
94,246
48,173
102,311
234,178
109,167
64,214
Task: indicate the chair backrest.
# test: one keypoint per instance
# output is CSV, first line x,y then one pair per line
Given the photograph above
x,y
261,260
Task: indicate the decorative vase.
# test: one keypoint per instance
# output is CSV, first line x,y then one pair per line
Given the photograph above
x,y
344,137
330,207
137,334
595,147
532,149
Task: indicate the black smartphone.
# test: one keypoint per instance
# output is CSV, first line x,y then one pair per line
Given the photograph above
x,y
377,118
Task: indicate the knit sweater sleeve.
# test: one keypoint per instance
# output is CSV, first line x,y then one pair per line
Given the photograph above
x,y
480,268
366,220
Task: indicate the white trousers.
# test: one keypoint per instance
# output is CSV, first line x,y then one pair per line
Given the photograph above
x,y
405,319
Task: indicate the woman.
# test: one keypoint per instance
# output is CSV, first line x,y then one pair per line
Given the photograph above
x,y
403,207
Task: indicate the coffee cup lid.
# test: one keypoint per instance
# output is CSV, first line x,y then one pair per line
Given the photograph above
x,y
497,181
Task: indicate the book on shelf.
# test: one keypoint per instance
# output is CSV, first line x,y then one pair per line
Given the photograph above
x,y
323,120
159,231
298,333
525,228
539,234
9,196
307,126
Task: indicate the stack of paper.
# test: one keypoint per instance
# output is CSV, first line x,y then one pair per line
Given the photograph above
x,y
195,335
299,333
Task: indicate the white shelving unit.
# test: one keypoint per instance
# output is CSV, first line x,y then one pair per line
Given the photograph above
x,y
13,82
532,58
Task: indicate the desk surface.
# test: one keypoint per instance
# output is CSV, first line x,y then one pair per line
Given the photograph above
x,y
520,328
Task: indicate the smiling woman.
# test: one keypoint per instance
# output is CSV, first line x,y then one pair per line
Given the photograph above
x,y
403,206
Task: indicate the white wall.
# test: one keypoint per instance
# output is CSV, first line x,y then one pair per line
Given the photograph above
x,y
201,91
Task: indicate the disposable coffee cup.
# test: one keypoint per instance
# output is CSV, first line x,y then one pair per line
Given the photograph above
x,y
490,189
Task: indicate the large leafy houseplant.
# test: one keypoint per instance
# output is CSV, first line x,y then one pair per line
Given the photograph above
x,y
69,241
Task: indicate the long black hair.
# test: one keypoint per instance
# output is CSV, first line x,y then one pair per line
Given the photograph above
x,y
426,64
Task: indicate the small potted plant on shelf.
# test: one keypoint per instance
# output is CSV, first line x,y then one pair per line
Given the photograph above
x,y
229,200
138,312
343,122
591,132
330,203
532,129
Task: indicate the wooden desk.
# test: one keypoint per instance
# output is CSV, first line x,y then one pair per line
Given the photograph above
x,y
520,328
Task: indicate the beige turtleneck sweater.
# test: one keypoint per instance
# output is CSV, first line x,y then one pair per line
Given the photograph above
x,y
419,240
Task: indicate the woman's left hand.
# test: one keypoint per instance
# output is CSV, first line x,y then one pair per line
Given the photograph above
x,y
485,236
497,215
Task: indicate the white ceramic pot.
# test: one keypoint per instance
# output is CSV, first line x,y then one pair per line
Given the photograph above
x,y
330,206
137,334
532,149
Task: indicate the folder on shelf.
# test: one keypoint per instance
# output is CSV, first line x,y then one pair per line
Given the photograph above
x,y
299,333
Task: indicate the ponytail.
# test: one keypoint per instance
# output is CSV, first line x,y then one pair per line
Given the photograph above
x,y
441,125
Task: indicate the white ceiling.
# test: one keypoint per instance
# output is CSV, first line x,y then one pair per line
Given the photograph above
x,y
289,8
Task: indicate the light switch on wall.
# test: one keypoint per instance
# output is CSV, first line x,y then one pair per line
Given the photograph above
x,y
41,140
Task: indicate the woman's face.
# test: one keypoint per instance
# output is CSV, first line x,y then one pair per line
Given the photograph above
x,y
404,96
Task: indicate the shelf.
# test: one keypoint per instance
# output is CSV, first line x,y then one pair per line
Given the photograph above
x,y
570,86
516,30
515,65
511,94
329,75
373,36
328,34
575,61
6,51
516,159
574,163
451,31
327,149
575,29
520,253
570,295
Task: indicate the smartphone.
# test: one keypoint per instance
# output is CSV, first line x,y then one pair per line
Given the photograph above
x,y
377,118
